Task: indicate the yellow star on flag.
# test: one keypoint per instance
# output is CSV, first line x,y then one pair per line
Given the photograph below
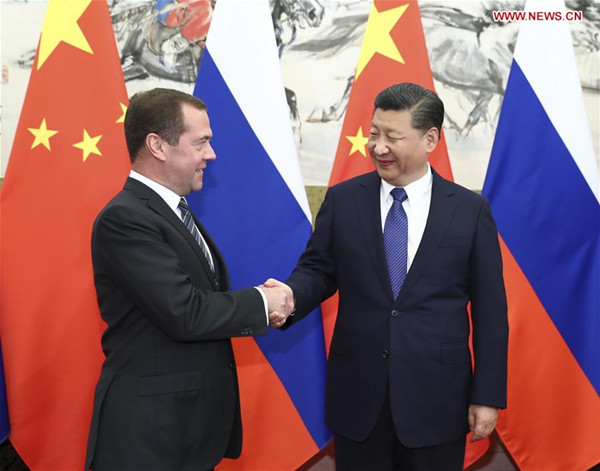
x,y
42,135
89,145
358,142
123,111
60,25
377,37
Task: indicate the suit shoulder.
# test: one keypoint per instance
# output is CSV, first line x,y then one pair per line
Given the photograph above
x,y
358,181
123,202
466,195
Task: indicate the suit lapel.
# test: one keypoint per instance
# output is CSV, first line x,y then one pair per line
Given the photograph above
x,y
159,206
369,214
441,212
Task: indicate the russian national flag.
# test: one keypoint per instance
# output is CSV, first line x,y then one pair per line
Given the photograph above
x,y
543,186
254,205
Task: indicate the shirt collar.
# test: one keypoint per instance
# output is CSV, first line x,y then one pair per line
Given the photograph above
x,y
414,190
170,197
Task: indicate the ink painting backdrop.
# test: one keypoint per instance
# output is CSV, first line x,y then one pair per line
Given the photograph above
x,y
161,44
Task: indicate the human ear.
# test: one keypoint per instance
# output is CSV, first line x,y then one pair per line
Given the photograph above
x,y
432,137
155,144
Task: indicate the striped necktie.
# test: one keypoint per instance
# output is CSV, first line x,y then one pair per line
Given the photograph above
x,y
188,220
395,240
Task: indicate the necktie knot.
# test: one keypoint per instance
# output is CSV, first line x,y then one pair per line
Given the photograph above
x,y
399,194
183,206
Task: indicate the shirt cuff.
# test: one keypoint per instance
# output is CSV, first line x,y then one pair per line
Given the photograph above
x,y
265,302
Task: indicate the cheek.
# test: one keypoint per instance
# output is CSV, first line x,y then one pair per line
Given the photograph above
x,y
398,151
195,159
406,150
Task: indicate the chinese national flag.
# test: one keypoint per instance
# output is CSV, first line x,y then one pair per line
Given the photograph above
x,y
393,51
68,158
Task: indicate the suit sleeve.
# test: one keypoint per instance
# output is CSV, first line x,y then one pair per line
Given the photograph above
x,y
132,253
314,278
489,314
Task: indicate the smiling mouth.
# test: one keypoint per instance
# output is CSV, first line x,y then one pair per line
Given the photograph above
x,y
384,163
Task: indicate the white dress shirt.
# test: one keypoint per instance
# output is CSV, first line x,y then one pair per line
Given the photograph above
x,y
416,206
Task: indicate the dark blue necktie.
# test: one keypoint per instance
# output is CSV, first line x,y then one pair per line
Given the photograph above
x,y
395,240
188,220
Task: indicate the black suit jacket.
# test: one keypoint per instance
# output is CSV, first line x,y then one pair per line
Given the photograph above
x,y
167,398
417,345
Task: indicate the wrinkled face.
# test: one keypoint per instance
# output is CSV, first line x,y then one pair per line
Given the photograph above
x,y
185,162
398,151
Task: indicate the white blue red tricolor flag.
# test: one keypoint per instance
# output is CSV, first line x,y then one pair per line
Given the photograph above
x,y
544,189
254,205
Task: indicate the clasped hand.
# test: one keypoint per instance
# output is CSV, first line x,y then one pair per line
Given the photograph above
x,y
280,300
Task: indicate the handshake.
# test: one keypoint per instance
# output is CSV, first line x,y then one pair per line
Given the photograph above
x,y
280,300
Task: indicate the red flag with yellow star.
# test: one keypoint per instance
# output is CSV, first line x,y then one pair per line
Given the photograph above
x,y
393,51
68,158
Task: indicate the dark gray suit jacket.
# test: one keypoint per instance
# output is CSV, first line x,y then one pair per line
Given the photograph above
x,y
417,345
167,398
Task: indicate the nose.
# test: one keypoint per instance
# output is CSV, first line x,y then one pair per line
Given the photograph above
x,y
378,148
210,152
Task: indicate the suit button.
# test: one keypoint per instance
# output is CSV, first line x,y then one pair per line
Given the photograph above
x,y
385,354
395,313
232,366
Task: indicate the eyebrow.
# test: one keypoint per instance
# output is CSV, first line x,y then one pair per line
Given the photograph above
x,y
387,130
206,137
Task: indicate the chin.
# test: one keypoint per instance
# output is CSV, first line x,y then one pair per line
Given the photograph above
x,y
387,173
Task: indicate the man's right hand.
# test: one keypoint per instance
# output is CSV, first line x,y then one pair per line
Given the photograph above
x,y
280,300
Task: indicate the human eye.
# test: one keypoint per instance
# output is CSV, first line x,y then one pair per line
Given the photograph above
x,y
199,144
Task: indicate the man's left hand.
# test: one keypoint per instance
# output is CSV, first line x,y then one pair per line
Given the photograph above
x,y
482,420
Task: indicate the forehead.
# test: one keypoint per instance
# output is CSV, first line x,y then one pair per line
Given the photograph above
x,y
391,119
195,119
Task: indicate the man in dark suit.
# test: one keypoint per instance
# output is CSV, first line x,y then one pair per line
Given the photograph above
x,y
167,398
408,250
